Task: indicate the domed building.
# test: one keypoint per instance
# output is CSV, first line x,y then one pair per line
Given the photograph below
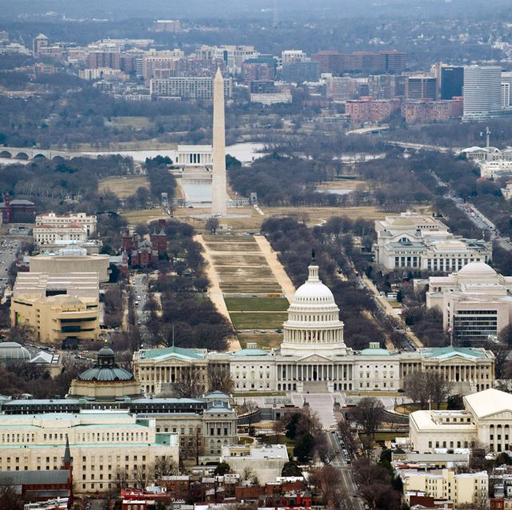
x,y
313,357
105,380
313,325
13,351
476,302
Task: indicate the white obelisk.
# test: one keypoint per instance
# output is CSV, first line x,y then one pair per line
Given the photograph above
x,y
219,194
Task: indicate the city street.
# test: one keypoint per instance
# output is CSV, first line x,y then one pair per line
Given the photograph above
x,y
339,462
141,297
8,249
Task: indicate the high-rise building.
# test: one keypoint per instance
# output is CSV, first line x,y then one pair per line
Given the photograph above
x,y
482,92
505,94
451,80
39,42
168,25
300,71
421,87
187,87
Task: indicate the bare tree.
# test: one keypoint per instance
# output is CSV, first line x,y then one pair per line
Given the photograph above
x,y
212,224
141,477
121,478
438,388
219,380
415,386
193,447
347,436
188,386
250,412
164,466
328,483
369,414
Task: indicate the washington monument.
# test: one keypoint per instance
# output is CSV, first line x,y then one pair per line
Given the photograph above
x,y
219,195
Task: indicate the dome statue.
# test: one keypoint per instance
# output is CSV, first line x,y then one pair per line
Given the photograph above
x,y
313,325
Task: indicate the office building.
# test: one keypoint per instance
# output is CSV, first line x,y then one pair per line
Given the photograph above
x,y
419,241
104,445
482,92
373,111
475,301
421,87
425,112
486,419
505,94
205,424
451,81
168,25
160,60
188,87
40,42
446,484
299,71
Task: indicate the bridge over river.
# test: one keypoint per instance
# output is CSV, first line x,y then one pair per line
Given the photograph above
x,y
27,153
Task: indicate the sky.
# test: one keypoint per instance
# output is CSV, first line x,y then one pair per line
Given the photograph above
x,y
117,9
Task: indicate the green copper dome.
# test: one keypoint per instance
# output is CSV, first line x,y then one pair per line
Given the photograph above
x,y
106,369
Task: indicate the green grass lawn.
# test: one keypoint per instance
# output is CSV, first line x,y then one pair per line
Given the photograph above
x,y
232,239
250,288
258,320
263,340
388,436
259,304
233,247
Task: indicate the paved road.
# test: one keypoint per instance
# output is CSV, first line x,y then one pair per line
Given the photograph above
x,y
474,215
8,250
140,282
339,462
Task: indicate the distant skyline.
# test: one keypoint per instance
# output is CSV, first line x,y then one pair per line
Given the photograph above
x,y
118,9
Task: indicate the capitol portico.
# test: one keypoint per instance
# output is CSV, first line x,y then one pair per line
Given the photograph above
x,y
314,357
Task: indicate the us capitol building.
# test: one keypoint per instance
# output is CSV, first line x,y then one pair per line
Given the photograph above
x,y
314,358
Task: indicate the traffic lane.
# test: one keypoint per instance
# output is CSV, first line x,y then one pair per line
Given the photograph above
x,y
338,461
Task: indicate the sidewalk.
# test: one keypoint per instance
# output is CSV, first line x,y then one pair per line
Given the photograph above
x,y
276,267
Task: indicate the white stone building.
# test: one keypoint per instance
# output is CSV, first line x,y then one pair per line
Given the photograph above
x,y
45,235
193,156
102,444
266,462
486,419
476,302
422,242
314,357
89,222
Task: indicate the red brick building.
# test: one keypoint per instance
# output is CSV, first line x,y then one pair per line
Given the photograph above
x,y
424,112
371,110
17,211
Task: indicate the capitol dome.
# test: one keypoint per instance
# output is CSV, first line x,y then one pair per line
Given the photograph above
x,y
313,324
